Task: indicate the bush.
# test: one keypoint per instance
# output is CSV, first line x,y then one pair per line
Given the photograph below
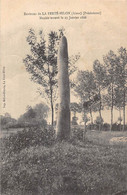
x,y
77,133
74,120
31,136
106,127
91,126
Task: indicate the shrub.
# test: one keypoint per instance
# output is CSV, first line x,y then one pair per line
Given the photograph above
x,y
31,136
106,127
91,126
76,133
115,127
74,120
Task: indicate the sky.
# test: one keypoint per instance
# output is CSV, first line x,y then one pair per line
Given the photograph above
x,y
92,37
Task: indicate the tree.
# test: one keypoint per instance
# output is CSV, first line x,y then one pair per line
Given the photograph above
x,y
99,71
35,115
7,120
42,63
30,113
99,121
118,101
122,78
119,121
75,107
41,111
85,87
111,61
85,120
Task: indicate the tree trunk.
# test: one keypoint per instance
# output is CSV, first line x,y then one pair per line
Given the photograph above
x,y
100,102
51,101
91,116
52,108
90,110
100,118
111,119
100,109
111,107
124,110
120,116
84,131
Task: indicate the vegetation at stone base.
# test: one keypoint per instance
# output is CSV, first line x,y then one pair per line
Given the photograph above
x,y
31,136
93,167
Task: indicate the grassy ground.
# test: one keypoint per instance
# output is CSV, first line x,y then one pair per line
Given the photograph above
x,y
97,166
105,137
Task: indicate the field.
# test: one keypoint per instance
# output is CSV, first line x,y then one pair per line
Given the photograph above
x,y
97,166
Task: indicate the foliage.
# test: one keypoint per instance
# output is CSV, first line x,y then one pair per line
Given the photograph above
x,y
116,66
7,120
99,71
75,107
122,79
108,81
76,134
100,76
30,136
118,127
35,115
85,87
99,120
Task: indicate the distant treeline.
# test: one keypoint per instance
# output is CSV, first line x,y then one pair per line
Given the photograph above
x,y
32,117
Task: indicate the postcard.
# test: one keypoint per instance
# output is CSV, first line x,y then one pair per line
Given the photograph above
x,y
63,97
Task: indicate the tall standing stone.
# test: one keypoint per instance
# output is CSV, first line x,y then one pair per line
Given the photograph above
x,y
63,121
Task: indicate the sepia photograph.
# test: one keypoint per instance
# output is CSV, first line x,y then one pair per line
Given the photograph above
x,y
63,97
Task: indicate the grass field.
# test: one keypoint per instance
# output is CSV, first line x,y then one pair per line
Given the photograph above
x,y
106,137
97,166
